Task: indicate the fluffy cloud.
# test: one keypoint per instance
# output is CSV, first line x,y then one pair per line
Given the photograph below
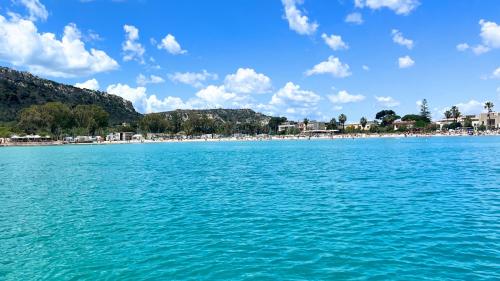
x,y
400,7
462,47
366,68
291,94
217,96
354,18
43,53
35,9
192,78
470,107
332,66
296,20
171,45
153,104
334,42
246,81
292,101
496,74
135,95
490,33
152,79
490,37
387,101
91,84
132,49
345,97
405,62
397,37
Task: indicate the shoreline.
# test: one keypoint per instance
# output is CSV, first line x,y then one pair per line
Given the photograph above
x,y
245,139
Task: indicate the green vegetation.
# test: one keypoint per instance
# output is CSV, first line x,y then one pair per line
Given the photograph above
x,y
489,107
342,120
211,121
20,90
57,119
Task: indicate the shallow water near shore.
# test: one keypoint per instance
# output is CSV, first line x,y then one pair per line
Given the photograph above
x,y
398,209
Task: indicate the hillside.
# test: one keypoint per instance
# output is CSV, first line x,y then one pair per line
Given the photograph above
x,y
19,90
223,116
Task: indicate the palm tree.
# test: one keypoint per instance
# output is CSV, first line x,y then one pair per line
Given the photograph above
x,y
306,121
489,106
342,119
455,113
363,122
447,114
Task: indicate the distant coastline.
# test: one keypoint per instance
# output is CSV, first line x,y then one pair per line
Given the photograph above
x,y
250,139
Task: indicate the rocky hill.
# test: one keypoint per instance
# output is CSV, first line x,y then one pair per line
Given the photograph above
x,y
19,90
222,116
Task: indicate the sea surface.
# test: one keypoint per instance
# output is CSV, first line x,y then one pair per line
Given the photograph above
x,y
347,209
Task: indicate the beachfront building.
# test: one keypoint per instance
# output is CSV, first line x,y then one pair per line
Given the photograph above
x,y
492,122
312,125
358,126
403,125
30,138
474,119
287,126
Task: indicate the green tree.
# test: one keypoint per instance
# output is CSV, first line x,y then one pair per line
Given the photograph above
x,y
448,114
455,113
59,117
154,123
332,125
387,117
363,122
274,122
424,110
90,117
489,107
32,119
342,120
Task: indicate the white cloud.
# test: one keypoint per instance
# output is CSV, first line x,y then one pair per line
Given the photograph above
x,y
462,47
387,101
470,107
170,44
490,37
153,104
91,84
247,81
366,68
192,78
43,53
345,97
400,7
354,18
135,95
405,62
152,79
334,42
291,94
296,20
490,33
496,73
398,38
292,101
480,49
217,96
35,9
132,49
332,66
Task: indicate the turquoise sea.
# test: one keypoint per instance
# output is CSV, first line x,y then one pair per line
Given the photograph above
x,y
350,209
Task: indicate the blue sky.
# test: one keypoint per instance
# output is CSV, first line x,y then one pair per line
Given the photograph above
x,y
293,58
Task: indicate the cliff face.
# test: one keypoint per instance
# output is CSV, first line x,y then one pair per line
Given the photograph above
x,y
223,116
19,90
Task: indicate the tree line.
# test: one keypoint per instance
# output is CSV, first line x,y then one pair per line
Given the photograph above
x,y
58,119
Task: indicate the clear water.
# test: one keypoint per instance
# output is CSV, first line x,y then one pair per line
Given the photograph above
x,y
399,209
